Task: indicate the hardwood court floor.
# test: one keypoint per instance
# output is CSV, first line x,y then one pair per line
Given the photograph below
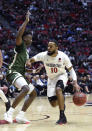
x,y
43,117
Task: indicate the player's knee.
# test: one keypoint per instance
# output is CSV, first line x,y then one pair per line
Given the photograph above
x,y
33,93
25,89
31,89
59,86
53,104
53,101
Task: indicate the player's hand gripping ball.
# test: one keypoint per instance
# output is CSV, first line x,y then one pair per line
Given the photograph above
x,y
79,98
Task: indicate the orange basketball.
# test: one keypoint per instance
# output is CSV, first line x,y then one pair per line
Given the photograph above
x,y
79,98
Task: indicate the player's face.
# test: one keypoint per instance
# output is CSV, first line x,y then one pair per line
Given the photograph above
x,y
28,39
52,48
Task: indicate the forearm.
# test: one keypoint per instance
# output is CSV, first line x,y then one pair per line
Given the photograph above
x,y
22,28
74,78
29,62
32,60
28,70
73,75
38,70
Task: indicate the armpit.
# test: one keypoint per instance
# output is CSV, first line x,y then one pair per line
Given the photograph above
x,y
70,68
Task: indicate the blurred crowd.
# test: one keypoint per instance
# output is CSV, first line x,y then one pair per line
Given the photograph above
x,y
68,21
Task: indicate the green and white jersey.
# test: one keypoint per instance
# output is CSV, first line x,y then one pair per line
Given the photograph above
x,y
19,60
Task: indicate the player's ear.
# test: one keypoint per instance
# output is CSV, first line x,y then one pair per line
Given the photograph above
x,y
24,38
57,47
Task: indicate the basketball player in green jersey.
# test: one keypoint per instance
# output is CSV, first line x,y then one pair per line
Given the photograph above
x,y
16,72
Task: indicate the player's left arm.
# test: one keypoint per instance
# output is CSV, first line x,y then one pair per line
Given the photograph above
x,y
22,29
73,75
28,70
1,59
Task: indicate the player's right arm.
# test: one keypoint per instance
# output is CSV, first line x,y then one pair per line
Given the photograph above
x,y
30,61
22,29
38,57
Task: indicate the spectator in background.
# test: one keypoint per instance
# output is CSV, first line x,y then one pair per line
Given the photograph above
x,y
40,83
11,92
89,82
83,84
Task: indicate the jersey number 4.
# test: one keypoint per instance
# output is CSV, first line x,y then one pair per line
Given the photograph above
x,y
54,70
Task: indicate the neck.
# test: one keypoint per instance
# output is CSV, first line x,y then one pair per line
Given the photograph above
x,y
55,54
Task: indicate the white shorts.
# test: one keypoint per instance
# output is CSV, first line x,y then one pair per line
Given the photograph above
x,y
51,85
20,82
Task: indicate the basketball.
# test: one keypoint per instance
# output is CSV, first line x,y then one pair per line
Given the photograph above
x,y
79,98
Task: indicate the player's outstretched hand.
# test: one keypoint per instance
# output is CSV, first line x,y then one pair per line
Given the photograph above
x,y
28,63
28,15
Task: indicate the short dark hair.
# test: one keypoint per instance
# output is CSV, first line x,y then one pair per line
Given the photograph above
x,y
27,32
54,40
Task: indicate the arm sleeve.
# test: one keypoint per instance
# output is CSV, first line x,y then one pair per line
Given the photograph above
x,y
73,74
68,64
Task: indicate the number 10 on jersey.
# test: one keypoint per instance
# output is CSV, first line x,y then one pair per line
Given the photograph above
x,y
54,70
